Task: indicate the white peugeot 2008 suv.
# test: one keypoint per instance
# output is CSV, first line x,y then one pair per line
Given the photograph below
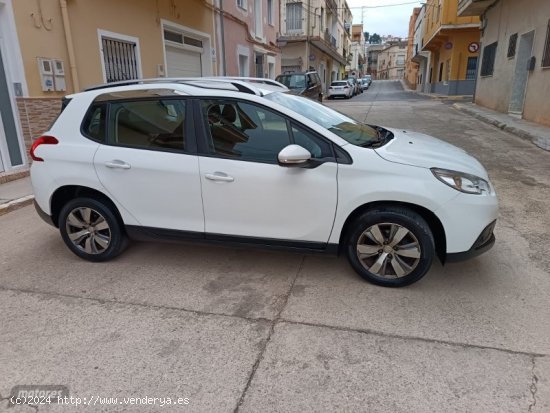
x,y
246,163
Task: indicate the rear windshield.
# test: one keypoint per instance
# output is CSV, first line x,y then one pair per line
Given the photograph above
x,y
292,81
339,84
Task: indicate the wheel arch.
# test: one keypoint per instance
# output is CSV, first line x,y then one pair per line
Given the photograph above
x,y
431,219
64,194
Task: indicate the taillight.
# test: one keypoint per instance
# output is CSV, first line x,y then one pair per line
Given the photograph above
x,y
43,140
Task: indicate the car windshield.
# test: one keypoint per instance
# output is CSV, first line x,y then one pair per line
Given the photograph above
x,y
345,127
292,81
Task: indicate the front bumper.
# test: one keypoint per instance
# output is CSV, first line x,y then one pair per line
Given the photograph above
x,y
484,243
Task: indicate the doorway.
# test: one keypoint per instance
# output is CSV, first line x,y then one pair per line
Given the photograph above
x,y
9,136
521,75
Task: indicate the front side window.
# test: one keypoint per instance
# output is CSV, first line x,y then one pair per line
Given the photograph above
x,y
148,124
244,131
345,127
293,81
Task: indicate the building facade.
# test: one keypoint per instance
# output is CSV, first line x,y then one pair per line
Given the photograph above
x,y
514,76
420,56
373,52
51,48
411,66
453,41
316,34
358,58
249,38
391,61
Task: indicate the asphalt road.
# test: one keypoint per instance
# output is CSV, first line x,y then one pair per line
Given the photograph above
x,y
248,330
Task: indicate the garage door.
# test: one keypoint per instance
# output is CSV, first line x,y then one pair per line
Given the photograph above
x,y
182,63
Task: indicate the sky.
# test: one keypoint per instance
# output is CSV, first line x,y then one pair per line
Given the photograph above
x,y
378,18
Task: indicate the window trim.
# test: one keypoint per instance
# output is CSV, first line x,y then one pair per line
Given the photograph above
x,y
189,134
202,131
101,34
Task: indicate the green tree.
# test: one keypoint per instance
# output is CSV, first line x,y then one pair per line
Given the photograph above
x,y
367,36
375,39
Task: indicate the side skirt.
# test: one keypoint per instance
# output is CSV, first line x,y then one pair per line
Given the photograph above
x,y
149,234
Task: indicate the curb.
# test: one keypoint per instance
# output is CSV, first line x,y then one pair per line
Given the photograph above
x,y
12,176
16,204
539,141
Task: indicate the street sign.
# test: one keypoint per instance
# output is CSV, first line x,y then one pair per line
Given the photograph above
x,y
473,47
448,45
312,57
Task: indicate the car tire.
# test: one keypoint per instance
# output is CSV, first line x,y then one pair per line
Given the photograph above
x,y
390,246
91,230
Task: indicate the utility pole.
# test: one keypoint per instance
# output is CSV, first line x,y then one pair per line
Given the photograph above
x,y
308,22
222,18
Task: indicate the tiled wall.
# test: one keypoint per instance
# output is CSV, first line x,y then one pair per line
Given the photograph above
x,y
36,116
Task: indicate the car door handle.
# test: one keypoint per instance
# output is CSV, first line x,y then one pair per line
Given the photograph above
x,y
116,163
219,177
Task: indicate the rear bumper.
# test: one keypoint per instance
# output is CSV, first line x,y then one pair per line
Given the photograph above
x,y
45,217
484,243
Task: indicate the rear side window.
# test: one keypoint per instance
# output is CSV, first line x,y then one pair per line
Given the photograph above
x,y
95,122
148,124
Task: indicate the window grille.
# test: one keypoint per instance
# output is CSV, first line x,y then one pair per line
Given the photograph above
x,y
488,63
471,68
294,17
512,45
120,60
546,56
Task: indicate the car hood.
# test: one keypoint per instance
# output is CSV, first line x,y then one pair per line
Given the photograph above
x,y
418,149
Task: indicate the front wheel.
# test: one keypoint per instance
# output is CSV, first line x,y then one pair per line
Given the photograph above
x,y
91,230
390,246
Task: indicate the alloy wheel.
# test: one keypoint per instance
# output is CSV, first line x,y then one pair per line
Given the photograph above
x,y
88,230
388,250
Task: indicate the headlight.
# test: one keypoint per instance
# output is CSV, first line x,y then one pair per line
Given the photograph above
x,y
463,182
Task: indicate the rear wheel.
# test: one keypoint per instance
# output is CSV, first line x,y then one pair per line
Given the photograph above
x,y
390,246
91,230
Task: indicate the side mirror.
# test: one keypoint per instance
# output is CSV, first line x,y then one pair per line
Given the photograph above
x,y
294,156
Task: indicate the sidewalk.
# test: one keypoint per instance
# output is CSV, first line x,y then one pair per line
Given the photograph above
x,y
15,194
537,134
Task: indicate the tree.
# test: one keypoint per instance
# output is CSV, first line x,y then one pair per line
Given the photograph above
x,y
367,36
375,38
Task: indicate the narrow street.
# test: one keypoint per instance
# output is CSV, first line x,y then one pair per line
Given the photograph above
x,y
262,331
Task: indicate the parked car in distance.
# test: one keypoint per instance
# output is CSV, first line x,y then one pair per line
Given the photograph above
x,y
247,163
356,85
340,88
364,84
369,78
306,84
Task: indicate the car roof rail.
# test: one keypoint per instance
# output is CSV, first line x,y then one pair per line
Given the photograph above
x,y
200,82
262,80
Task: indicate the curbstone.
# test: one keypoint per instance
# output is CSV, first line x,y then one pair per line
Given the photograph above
x,y
539,141
16,204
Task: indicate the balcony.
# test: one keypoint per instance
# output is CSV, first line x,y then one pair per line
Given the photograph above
x,y
473,7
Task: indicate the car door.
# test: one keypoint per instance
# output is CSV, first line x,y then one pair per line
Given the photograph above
x,y
245,191
149,164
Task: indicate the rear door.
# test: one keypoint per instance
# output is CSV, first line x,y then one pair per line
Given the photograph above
x,y
149,164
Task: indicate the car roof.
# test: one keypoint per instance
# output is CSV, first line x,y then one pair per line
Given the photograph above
x,y
189,86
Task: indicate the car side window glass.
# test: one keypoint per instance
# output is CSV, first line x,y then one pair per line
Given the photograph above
x,y
244,131
310,80
94,125
148,124
319,148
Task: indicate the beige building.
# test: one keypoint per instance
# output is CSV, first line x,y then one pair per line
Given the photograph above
x,y
316,34
391,61
50,48
514,76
